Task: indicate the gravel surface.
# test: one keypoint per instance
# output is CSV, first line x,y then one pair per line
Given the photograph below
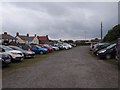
x,y
74,68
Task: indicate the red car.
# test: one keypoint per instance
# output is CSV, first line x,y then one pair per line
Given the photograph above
x,y
50,49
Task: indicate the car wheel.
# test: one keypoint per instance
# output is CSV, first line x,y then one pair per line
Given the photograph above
x,y
108,56
11,58
41,52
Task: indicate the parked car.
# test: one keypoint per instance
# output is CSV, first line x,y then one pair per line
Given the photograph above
x,y
66,46
72,44
14,54
25,47
39,50
118,50
50,49
54,48
27,54
4,59
59,46
96,45
100,47
108,52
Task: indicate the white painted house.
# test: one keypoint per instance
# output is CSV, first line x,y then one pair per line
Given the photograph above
x,y
26,39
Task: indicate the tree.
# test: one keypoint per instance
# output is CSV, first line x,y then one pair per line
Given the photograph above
x,y
112,34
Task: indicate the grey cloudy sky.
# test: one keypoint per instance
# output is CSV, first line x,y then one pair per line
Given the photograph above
x,y
59,20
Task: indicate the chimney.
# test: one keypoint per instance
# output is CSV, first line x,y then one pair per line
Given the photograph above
x,y
17,34
27,35
5,33
47,36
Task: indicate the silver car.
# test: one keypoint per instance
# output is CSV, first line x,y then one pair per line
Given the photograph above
x,y
14,54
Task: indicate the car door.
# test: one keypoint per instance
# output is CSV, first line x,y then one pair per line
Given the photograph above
x,y
113,51
35,49
118,49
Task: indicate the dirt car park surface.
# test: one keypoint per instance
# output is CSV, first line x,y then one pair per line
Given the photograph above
x,y
74,68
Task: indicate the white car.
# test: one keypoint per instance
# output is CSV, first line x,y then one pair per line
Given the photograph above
x,y
14,54
70,46
67,46
55,48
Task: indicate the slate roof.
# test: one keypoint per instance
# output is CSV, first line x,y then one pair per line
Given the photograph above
x,y
30,39
7,36
26,38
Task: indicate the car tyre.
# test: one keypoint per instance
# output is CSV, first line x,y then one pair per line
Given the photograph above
x,y
41,52
108,56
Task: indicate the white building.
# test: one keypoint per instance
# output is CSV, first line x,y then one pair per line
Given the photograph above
x,y
26,39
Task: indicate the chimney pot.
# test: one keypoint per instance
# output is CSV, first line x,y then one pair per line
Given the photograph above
x,y
5,32
17,34
27,35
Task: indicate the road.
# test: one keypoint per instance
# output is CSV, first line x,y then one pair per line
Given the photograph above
x,y
74,68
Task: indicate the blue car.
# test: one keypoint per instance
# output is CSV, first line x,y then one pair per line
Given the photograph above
x,y
39,50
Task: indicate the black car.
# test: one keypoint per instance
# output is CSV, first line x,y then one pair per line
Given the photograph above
x,y
118,50
93,47
4,59
27,54
100,47
108,52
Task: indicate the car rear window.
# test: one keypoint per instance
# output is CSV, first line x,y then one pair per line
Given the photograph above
x,y
25,47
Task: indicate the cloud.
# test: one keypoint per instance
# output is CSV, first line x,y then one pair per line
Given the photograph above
x,y
59,20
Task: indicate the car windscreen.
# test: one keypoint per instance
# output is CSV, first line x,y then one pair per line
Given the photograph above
x,y
16,48
111,46
38,46
6,48
46,45
25,47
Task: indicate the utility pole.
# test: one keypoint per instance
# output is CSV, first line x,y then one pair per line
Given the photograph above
x,y
101,32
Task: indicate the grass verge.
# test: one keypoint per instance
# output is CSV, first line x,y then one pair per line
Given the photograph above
x,y
25,63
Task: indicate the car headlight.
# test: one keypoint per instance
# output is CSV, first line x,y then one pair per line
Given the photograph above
x,y
102,51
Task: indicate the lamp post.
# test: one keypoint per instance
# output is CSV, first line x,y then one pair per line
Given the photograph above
x,y
101,31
